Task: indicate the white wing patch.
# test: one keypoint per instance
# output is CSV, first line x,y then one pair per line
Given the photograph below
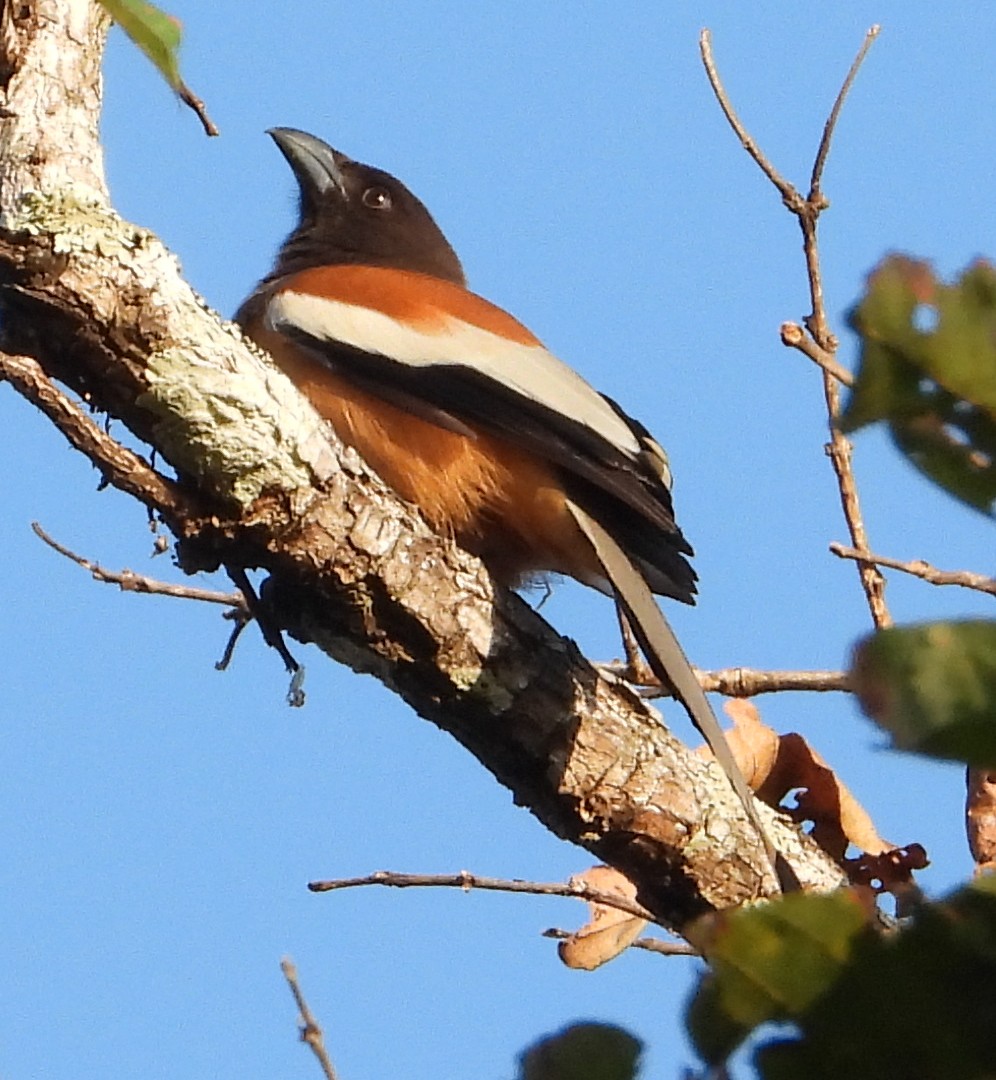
x,y
530,370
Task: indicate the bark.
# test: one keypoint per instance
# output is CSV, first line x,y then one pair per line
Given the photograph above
x,y
97,305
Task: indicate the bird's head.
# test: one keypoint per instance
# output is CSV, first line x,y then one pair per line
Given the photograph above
x,y
355,214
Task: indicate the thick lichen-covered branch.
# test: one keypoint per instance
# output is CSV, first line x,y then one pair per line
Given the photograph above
x,y
101,307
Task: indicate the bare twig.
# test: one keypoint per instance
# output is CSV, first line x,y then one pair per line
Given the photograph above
x,y
574,888
793,335
637,670
923,570
839,450
807,211
122,467
791,197
748,682
311,1033
129,581
831,124
655,945
740,682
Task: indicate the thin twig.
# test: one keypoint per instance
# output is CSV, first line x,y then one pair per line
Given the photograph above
x,y
793,335
807,212
839,448
311,1033
129,581
740,682
828,129
637,670
747,682
839,451
131,474
923,570
655,945
788,192
467,881
122,467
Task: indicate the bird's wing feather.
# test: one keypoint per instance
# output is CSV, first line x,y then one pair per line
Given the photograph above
x,y
457,372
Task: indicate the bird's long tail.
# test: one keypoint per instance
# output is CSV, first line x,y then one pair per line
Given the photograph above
x,y
668,662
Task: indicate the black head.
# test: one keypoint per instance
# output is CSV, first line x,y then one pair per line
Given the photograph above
x,y
356,214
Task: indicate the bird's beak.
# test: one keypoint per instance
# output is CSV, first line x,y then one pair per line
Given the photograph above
x,y
316,165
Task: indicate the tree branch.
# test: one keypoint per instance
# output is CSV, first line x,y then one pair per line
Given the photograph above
x,y
740,682
793,335
263,484
129,581
821,346
823,152
119,466
789,195
923,570
575,888
311,1033
748,682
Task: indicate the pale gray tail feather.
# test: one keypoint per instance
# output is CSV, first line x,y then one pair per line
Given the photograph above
x,y
669,663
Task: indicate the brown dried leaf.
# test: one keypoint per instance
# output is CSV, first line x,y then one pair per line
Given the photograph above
x,y
755,746
775,765
980,818
609,930
780,764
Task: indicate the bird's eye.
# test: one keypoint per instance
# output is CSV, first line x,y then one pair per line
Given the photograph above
x,y
377,198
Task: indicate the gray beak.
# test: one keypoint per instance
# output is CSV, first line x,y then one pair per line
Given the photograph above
x,y
316,165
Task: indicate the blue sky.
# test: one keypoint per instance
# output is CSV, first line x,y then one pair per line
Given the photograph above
x,y
159,821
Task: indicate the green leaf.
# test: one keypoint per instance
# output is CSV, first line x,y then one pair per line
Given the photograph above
x,y
153,31
771,963
714,1032
933,687
928,368
583,1052
916,1003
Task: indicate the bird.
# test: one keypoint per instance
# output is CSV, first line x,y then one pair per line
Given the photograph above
x,y
461,409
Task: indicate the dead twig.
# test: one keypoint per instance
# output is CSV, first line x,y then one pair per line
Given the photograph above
x,y
748,682
637,670
741,682
831,124
654,945
129,581
788,192
119,466
793,335
311,1033
824,343
922,570
574,888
